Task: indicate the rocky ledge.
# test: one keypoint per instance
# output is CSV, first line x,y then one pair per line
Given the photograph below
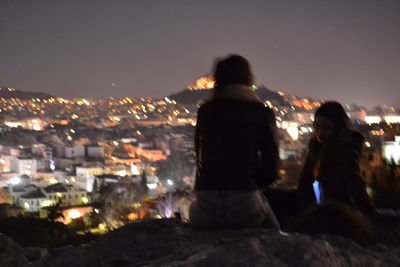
x,y
170,243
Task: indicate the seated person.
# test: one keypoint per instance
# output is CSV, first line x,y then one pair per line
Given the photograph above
x,y
331,172
236,152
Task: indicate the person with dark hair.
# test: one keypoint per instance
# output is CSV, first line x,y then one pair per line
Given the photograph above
x,y
331,172
236,152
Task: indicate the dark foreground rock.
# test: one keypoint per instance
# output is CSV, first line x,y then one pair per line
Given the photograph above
x,y
168,243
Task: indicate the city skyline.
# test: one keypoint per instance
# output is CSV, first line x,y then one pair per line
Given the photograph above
x,y
342,50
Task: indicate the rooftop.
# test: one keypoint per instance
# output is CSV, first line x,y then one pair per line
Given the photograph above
x,y
34,194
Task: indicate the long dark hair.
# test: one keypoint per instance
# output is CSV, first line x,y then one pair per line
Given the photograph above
x,y
233,69
335,112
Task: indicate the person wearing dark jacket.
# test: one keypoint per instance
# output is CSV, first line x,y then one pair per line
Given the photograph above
x,y
236,152
331,171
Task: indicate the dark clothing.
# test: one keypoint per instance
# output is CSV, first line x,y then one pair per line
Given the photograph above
x,y
235,146
336,167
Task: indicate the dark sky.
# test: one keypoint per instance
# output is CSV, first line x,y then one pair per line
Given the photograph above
x,y
348,50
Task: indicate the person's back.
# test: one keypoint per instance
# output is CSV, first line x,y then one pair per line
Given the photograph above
x,y
236,152
235,148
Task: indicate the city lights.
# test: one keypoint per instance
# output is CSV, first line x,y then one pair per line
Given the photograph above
x,y
74,214
392,119
391,150
85,200
132,216
373,119
15,180
47,203
81,146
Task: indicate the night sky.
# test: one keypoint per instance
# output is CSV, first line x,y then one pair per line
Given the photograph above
x,y
348,50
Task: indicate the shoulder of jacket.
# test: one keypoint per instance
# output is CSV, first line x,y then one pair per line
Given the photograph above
x,y
350,137
205,106
268,112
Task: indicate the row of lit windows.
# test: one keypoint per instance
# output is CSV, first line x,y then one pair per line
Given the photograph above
x,y
64,196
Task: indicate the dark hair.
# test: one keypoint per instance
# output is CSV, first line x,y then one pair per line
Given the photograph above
x,y
233,69
335,112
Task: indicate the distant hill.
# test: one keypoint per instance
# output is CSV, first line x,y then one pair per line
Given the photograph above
x,y
266,94
193,97
7,93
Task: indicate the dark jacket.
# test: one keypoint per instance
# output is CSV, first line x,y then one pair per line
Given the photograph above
x,y
336,167
235,146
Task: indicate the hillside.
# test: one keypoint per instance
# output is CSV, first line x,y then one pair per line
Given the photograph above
x,y
7,93
193,97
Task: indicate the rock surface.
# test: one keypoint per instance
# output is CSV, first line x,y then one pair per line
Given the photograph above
x,y
169,243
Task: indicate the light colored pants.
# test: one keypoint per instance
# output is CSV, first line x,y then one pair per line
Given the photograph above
x,y
232,209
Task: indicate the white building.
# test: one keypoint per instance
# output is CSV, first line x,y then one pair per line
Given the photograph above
x,y
118,169
104,180
389,119
392,118
95,151
42,164
66,195
22,166
85,176
74,151
33,201
391,150
16,191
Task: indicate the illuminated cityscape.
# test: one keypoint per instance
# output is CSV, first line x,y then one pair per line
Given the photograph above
x,y
99,103
66,152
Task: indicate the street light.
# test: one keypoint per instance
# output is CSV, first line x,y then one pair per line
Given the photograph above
x,y
15,180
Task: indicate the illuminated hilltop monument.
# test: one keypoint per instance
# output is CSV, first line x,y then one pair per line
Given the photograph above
x,y
200,90
202,83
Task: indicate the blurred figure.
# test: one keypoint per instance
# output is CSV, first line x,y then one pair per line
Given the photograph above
x,y
236,152
331,172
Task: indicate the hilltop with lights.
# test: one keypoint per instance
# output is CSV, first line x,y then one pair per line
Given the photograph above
x,y
10,93
200,90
